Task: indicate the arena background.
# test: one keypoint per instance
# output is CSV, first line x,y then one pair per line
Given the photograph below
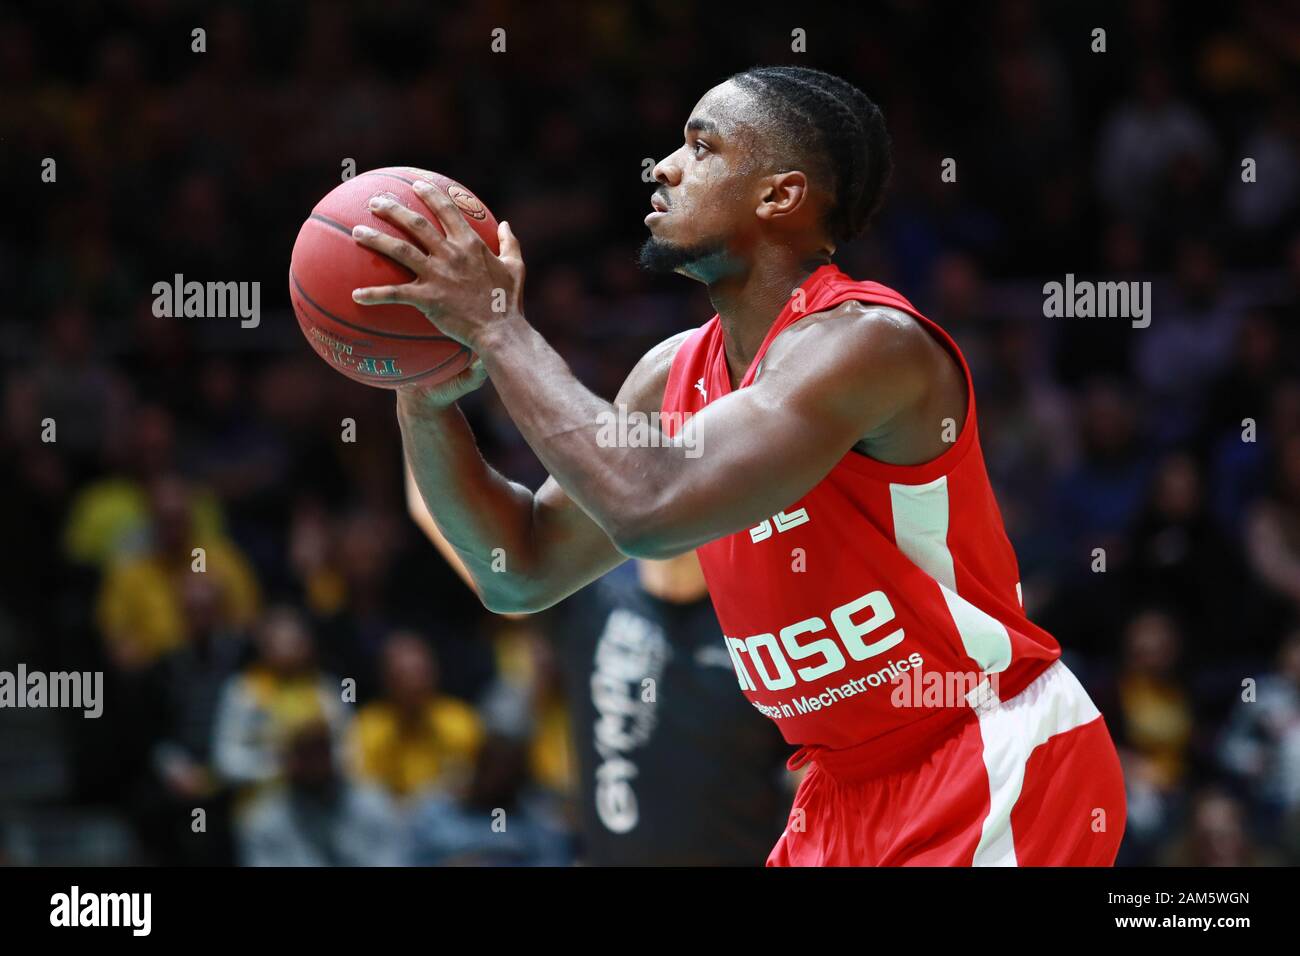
x,y
1168,455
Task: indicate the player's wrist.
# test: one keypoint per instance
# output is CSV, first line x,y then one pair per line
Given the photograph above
x,y
428,404
493,336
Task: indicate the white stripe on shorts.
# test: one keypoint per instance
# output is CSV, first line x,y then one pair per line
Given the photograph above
x,y
1053,703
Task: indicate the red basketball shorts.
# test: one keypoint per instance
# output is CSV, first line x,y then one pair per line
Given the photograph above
x,y
1029,781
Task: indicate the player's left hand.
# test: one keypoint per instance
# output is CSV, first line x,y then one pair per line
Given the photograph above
x,y
459,284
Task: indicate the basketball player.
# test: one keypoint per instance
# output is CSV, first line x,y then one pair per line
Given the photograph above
x,y
690,777
830,479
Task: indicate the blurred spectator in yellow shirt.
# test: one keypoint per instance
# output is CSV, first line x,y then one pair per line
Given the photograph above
x,y
414,739
109,518
528,698
1154,705
140,605
282,689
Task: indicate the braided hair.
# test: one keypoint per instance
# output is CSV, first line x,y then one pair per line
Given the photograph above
x,y
834,124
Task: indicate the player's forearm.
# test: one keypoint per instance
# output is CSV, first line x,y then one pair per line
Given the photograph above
x,y
486,518
616,484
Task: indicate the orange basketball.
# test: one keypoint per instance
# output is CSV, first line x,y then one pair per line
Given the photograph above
x,y
381,345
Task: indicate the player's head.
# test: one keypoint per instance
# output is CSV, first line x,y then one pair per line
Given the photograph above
x,y
775,154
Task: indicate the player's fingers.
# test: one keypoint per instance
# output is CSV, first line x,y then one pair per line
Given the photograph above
x,y
399,250
509,244
387,295
448,213
408,220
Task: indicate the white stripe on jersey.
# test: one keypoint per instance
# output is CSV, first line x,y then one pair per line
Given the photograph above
x,y
921,533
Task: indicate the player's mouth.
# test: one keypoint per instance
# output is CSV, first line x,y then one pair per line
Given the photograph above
x,y
658,206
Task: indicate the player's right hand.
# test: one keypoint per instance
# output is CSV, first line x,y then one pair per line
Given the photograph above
x,y
445,394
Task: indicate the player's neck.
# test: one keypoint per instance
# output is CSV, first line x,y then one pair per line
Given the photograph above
x,y
748,302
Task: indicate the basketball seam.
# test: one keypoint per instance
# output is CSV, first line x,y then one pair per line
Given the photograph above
x,y
331,222
411,337
409,182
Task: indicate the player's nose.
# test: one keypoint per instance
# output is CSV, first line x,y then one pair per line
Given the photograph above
x,y
666,172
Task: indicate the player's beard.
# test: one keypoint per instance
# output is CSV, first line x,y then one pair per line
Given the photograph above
x,y
704,261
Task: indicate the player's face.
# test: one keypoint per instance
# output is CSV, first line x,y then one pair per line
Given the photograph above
x,y
707,190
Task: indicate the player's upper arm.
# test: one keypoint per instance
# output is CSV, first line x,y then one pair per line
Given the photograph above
x,y
826,382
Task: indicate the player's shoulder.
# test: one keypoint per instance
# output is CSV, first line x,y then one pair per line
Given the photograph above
x,y
647,380
857,319
869,334
664,353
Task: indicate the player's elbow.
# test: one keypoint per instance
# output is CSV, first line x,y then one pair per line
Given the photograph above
x,y
499,603
638,546
646,537
507,601
517,597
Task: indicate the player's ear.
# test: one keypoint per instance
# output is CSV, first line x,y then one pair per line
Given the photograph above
x,y
782,195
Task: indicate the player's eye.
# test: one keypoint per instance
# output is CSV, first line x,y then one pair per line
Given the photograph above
x,y
697,146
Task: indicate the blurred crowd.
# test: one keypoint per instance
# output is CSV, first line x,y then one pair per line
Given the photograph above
x,y
327,690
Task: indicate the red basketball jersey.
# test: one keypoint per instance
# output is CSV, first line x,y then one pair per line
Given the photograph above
x,y
876,599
